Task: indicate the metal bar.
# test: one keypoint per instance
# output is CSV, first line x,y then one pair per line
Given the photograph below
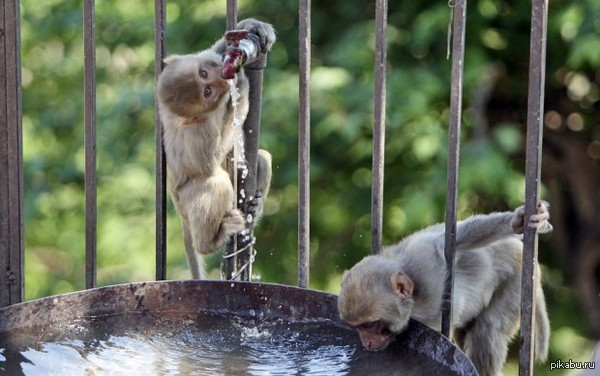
x,y
231,262
379,126
160,31
304,144
5,249
535,110
254,72
89,83
458,51
231,14
11,157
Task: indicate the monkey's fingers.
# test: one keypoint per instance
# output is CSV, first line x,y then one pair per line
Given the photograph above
x,y
255,203
518,222
543,209
232,222
540,221
264,31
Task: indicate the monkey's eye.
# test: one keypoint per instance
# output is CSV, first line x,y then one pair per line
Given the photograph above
x,y
368,325
207,91
203,73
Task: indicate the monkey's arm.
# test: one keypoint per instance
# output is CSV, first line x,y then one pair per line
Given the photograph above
x,y
481,230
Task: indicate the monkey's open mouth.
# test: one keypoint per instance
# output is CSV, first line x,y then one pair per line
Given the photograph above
x,y
384,345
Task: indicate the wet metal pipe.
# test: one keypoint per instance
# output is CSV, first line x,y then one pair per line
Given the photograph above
x,y
244,48
535,110
247,185
458,10
230,262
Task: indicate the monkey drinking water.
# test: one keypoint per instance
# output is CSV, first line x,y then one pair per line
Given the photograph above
x,y
380,293
201,121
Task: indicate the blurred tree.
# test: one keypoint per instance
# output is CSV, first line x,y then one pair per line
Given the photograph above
x,y
491,176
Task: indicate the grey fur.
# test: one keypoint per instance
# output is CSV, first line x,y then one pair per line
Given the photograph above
x,y
487,285
197,113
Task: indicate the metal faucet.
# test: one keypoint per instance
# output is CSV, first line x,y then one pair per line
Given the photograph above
x,y
242,47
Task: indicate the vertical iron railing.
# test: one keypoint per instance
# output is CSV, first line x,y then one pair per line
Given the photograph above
x,y
11,157
379,126
304,143
89,85
11,164
535,111
458,16
161,163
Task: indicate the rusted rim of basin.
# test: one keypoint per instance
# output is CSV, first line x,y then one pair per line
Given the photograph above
x,y
260,300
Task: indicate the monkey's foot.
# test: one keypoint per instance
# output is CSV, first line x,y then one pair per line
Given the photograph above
x,y
539,221
233,222
255,205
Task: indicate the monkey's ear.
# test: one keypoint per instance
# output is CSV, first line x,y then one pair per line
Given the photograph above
x,y
170,59
402,285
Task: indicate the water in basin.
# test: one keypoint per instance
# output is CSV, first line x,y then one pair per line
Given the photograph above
x,y
200,343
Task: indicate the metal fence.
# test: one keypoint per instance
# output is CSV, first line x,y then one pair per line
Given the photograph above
x,y
11,174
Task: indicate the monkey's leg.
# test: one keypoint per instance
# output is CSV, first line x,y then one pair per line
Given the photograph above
x,y
486,340
210,212
264,172
263,183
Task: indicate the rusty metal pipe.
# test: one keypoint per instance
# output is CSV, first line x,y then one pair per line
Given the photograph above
x,y
244,49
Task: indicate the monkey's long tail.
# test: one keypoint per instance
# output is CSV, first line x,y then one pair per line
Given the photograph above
x,y
542,325
195,261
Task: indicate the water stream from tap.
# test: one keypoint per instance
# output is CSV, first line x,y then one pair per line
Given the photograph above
x,y
240,168
239,155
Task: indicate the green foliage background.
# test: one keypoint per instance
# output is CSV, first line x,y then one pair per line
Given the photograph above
x,y
491,175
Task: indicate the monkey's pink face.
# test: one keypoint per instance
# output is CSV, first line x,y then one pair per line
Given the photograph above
x,y
374,335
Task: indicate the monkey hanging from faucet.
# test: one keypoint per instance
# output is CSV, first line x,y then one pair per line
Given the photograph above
x,y
199,115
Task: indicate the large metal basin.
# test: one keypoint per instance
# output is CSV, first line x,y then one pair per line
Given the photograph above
x,y
206,327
